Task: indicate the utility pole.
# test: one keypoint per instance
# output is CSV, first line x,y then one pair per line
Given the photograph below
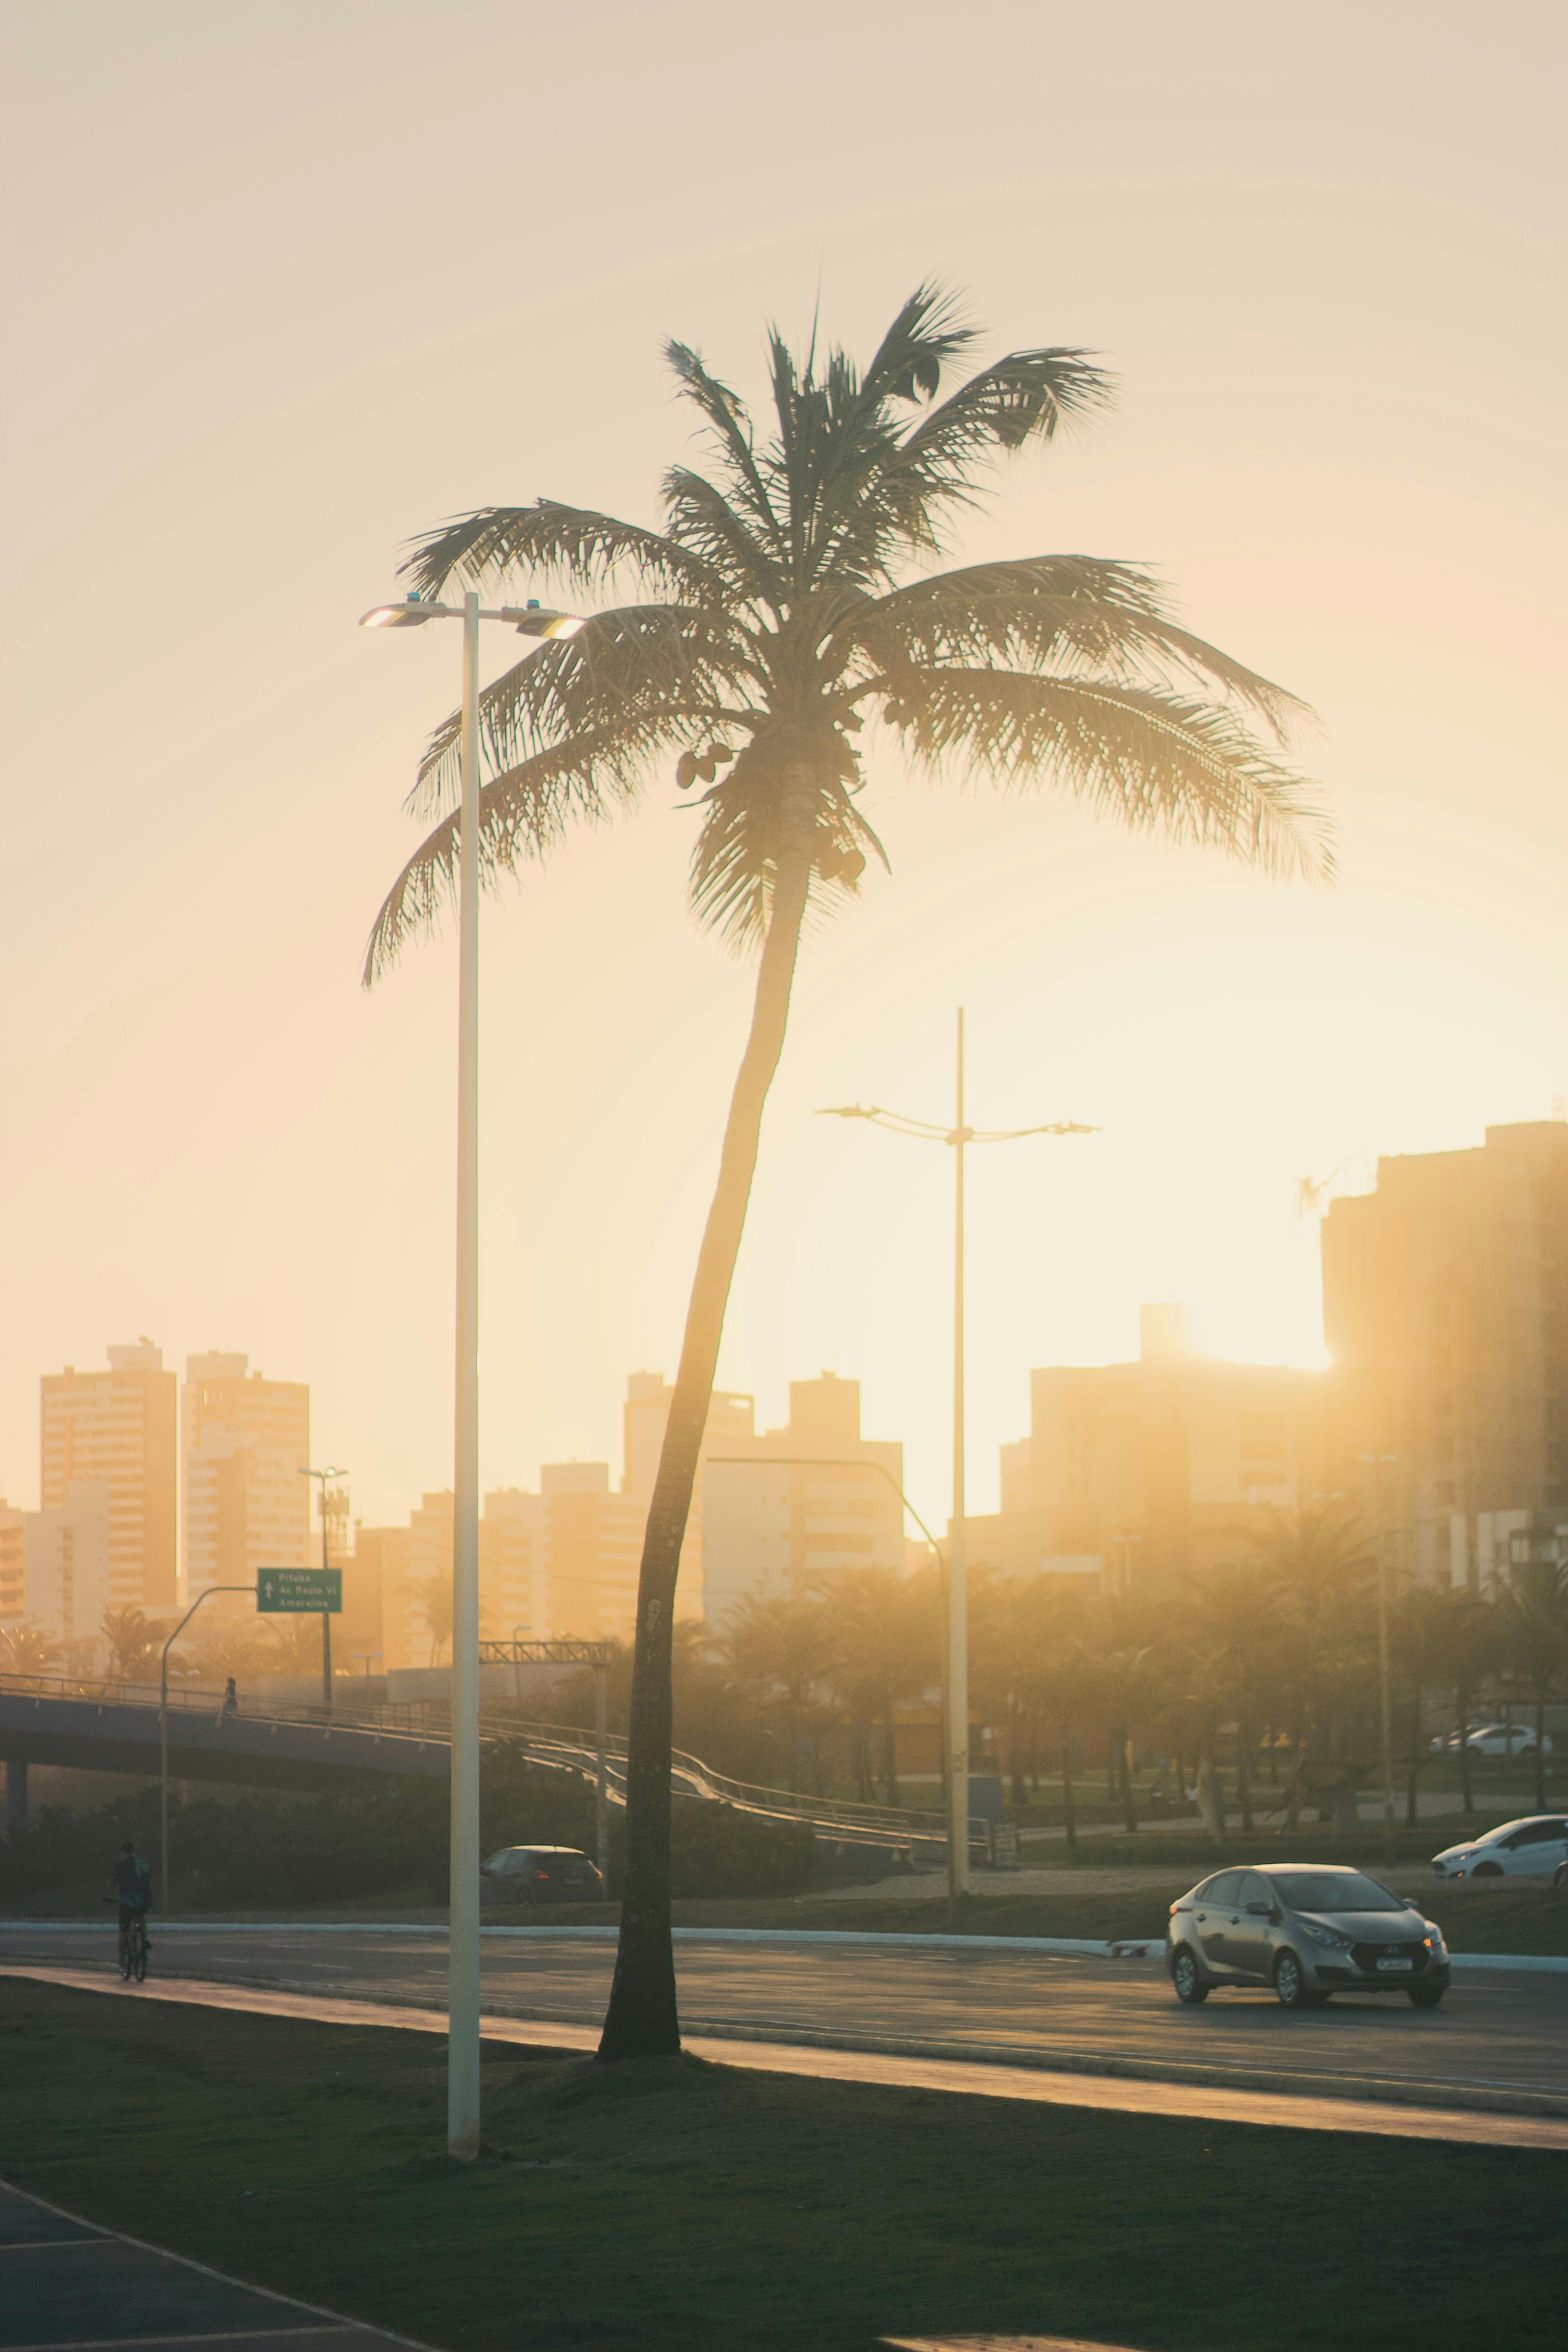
x,y
335,1470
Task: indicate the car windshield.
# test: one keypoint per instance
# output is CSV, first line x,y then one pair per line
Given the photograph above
x,y
1334,1890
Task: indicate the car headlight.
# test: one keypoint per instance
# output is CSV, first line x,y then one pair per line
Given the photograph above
x,y
1433,1938
1329,1938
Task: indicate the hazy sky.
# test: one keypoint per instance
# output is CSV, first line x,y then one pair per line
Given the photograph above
x,y
284,285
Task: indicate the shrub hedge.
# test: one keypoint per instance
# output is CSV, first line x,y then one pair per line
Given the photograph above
x,y
266,1850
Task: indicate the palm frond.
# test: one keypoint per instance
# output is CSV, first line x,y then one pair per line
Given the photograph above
x,y
1026,396
703,519
574,546
524,813
727,416
1085,615
632,661
736,856
1151,761
926,335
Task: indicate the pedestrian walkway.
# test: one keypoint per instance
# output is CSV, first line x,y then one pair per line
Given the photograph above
x,y
65,2286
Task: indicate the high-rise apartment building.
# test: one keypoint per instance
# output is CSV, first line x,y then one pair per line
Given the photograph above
x,y
245,1440
1140,1473
592,1545
1445,1313
119,1429
67,1588
727,1430
823,1500
397,1588
13,1565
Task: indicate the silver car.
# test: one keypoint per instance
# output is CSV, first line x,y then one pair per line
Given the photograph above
x,y
1309,1929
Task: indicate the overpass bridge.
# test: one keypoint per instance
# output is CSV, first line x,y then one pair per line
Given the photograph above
x,y
113,1727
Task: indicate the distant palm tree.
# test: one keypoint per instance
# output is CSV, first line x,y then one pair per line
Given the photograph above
x,y
1323,1564
129,1641
1233,1619
436,1607
27,1650
889,1648
1534,1639
750,639
783,1654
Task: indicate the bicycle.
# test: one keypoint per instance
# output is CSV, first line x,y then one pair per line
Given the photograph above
x,y
133,1946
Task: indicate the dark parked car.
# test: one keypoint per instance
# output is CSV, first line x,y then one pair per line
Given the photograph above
x,y
539,1873
1309,1930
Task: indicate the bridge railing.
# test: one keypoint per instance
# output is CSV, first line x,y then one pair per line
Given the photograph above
x,y
571,1745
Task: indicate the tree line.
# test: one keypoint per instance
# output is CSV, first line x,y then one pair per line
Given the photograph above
x,y
1273,1654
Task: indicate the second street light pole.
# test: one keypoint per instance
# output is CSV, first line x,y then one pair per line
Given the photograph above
x,y
957,1679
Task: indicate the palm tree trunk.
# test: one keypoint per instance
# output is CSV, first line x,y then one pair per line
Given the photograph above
x,y
1128,1801
1540,1748
1244,1770
1462,1709
1070,1814
642,2020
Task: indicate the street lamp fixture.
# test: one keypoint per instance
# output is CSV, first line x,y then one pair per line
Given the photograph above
x,y
531,620
545,623
958,1135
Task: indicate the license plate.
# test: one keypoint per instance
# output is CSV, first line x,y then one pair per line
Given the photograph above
x,y
1403,1965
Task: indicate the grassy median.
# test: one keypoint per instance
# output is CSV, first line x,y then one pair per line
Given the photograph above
x,y
672,2206
1484,1918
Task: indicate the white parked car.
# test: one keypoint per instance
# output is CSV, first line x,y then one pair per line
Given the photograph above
x,y
1539,1845
1497,1739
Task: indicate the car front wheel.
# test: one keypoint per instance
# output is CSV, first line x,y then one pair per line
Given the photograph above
x,y
1291,1983
1427,1995
1487,1870
1187,1978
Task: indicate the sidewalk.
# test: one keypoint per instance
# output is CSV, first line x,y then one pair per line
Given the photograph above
x,y
65,2286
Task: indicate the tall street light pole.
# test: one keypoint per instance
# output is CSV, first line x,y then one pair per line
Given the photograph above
x,y
531,620
335,1470
164,1731
959,1136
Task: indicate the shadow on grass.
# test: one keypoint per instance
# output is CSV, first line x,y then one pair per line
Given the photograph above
x,y
679,2206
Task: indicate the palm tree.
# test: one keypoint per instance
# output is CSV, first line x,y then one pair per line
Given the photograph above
x,y
436,1607
1322,1565
1130,1672
782,1654
27,1650
887,1648
1535,1631
750,639
129,1641
1234,1615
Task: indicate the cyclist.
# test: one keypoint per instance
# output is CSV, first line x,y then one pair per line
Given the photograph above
x,y
132,1882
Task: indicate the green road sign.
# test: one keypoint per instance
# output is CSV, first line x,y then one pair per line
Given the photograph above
x,y
299,1591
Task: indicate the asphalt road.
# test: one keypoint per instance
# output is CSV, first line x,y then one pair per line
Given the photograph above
x,y
1495,2033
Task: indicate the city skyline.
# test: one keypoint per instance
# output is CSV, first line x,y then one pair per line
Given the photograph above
x,y
241,1142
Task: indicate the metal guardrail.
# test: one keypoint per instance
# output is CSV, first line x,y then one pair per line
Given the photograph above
x,y
569,1746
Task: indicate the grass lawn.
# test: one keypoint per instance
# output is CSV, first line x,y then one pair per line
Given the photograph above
x,y
672,2206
